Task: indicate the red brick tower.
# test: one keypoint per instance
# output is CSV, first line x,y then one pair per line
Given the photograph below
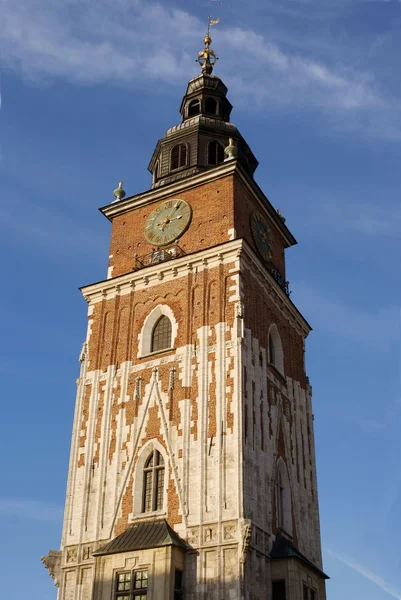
x,y
192,471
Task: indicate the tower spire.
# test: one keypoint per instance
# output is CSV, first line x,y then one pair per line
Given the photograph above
x,y
207,57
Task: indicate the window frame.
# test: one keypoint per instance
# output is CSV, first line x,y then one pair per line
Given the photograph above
x,y
216,106
282,597
161,346
182,150
145,336
178,591
156,495
275,347
195,101
133,592
283,496
218,146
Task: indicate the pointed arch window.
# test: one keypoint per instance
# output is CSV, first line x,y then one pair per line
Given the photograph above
x,y
161,334
210,106
272,357
153,485
280,489
194,108
275,348
178,156
215,153
283,498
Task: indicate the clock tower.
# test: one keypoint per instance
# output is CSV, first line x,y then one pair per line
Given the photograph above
x,y
192,472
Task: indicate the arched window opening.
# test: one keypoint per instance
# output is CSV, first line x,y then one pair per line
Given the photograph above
x,y
283,498
215,153
178,156
210,106
280,499
275,349
153,485
271,350
194,108
157,170
161,334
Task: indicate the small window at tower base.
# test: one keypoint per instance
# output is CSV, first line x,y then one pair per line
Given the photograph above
x,y
178,591
278,590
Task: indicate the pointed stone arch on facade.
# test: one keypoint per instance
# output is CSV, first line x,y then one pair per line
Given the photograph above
x,y
283,497
145,336
275,349
145,454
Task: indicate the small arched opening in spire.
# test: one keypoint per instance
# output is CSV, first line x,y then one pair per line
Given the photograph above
x,y
211,106
194,108
178,156
215,153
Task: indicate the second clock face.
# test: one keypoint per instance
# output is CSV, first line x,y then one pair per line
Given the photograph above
x,y
168,222
260,233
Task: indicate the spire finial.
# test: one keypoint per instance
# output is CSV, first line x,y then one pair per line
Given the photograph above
x,y
207,57
119,193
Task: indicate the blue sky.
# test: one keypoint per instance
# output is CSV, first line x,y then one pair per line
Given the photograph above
x,y
87,88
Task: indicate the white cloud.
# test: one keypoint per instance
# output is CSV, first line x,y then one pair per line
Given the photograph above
x,y
380,329
34,510
130,41
359,568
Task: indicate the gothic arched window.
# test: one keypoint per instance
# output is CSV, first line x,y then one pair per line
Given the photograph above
x,y
271,350
178,156
153,484
215,153
275,347
161,334
210,106
194,108
280,499
283,498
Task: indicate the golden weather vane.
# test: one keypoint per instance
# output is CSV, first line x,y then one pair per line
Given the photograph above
x,y
207,57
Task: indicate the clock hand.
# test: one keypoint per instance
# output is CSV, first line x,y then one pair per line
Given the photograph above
x,y
168,220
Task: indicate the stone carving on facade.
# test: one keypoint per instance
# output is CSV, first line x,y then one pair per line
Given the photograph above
x,y
210,534
138,388
193,537
86,552
230,531
84,350
71,555
246,533
52,562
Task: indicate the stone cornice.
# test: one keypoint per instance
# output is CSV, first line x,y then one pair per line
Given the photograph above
x,y
119,208
229,252
225,169
163,272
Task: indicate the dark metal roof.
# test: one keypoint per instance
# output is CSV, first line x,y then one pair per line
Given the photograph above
x,y
282,548
139,536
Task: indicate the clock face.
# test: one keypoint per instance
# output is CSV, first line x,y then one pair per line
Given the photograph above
x,y
168,222
260,233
